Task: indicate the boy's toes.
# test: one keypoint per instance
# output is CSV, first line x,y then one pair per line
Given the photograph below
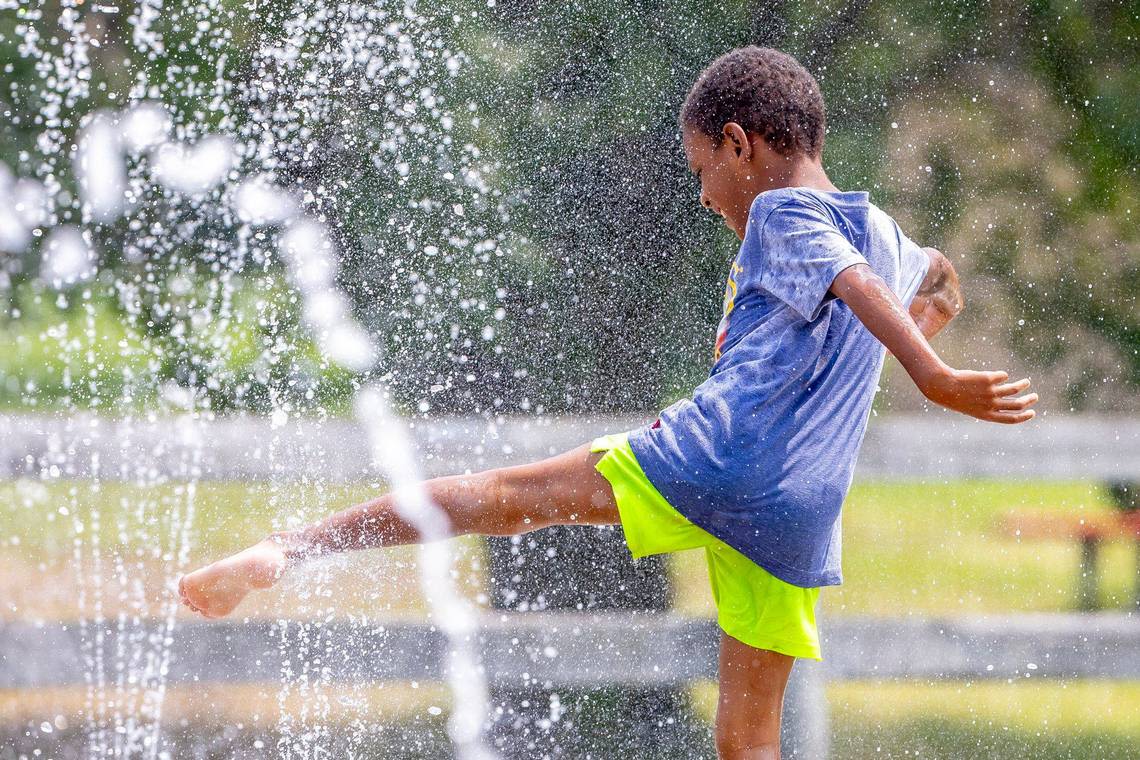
x,y
184,597
191,594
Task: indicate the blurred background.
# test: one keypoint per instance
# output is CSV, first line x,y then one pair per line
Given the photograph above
x,y
507,214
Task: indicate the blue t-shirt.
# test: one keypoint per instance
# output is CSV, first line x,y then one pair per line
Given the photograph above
x,y
763,453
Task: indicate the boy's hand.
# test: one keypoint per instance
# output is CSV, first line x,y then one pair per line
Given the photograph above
x,y
985,395
939,297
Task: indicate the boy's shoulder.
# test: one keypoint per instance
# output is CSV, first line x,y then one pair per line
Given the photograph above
x,y
769,200
809,198
805,205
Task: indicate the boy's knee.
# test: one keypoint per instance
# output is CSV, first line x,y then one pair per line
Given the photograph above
x,y
745,742
749,728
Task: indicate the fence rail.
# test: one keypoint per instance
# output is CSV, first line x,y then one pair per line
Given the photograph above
x,y
585,650
580,650
937,444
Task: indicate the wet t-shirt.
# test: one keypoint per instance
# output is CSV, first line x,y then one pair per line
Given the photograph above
x,y
763,453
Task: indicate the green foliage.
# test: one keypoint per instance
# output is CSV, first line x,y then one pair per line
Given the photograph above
x,y
582,275
73,350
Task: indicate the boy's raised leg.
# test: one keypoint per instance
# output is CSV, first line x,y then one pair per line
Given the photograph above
x,y
561,490
752,683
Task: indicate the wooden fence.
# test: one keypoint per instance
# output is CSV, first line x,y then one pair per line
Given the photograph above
x,y
583,650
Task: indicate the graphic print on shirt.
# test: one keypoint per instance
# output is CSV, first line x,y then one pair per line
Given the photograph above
x,y
729,302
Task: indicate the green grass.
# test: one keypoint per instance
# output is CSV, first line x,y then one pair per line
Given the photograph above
x,y
1041,720
909,547
137,531
935,549
227,515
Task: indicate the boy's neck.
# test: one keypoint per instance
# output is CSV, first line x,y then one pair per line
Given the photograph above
x,y
800,171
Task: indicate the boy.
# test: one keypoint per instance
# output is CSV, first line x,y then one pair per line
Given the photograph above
x,y
755,466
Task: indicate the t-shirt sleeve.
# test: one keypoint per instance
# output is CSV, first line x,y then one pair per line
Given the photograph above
x,y
802,252
913,265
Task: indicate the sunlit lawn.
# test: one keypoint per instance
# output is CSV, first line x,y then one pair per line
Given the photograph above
x,y
956,721
138,548
1044,720
935,549
929,548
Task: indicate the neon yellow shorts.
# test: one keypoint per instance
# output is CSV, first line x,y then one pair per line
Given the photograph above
x,y
753,606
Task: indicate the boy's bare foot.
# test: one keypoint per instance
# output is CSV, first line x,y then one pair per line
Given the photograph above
x,y
216,589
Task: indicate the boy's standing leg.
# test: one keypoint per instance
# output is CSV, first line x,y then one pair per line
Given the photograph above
x,y
752,683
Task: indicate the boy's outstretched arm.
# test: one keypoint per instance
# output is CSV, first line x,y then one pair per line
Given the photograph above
x,y
985,395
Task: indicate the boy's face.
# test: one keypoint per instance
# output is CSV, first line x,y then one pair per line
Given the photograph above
x,y
733,173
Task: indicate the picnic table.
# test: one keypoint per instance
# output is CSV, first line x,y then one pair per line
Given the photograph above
x,y
1090,530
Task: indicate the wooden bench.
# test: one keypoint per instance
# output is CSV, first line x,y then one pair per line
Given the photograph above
x,y
1088,529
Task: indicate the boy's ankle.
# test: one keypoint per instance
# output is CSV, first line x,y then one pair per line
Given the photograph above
x,y
294,546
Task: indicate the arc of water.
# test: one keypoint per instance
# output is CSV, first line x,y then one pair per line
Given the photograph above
x,y
454,616
309,253
312,265
68,258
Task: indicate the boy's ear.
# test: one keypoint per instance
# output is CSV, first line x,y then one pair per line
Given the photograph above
x,y
738,140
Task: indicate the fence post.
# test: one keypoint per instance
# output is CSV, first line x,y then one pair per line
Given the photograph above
x,y
586,569
1087,588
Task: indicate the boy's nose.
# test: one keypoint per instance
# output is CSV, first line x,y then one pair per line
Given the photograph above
x,y
707,203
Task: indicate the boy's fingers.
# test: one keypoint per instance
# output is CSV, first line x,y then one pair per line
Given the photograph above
x,y
1016,404
997,377
1009,389
1012,418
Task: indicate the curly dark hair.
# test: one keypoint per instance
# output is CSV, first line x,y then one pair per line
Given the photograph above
x,y
764,91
